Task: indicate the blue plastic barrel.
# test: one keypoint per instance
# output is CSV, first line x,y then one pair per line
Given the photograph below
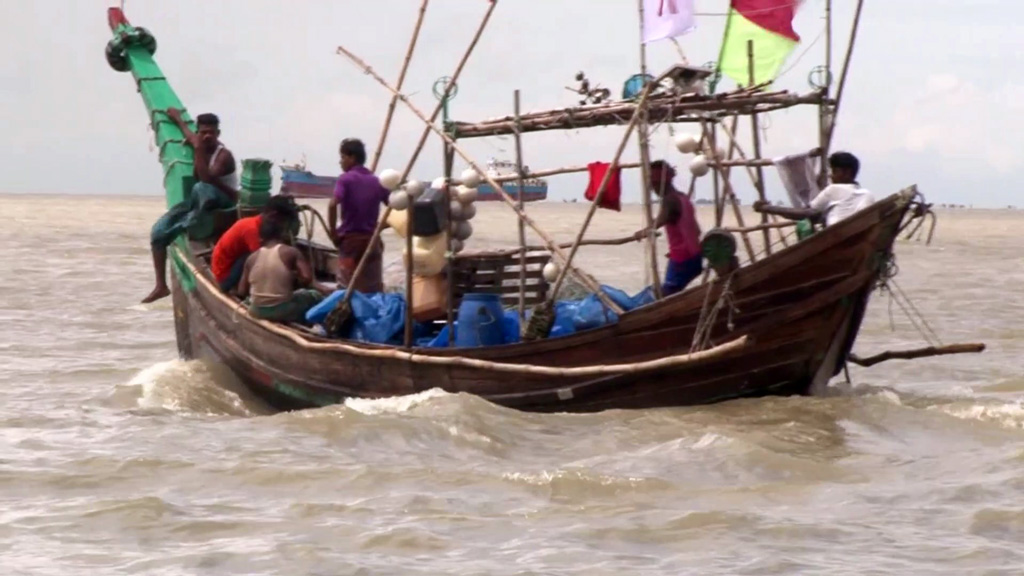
x,y
480,318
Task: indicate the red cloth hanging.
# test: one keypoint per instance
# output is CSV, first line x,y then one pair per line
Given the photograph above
x,y
612,197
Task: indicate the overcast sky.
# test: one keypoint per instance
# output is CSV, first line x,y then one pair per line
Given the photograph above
x,y
933,97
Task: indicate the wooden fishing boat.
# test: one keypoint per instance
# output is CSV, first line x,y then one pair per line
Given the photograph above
x,y
783,324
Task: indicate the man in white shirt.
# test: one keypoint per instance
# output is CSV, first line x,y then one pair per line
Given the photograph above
x,y
840,200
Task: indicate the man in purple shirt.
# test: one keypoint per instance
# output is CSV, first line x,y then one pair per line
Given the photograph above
x,y
359,194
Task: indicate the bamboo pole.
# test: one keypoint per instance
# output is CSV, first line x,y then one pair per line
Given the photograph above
x,y
595,242
828,42
713,145
585,279
522,225
729,194
408,281
419,148
650,244
556,172
842,78
401,81
614,115
756,137
823,117
449,163
759,227
742,162
753,163
917,353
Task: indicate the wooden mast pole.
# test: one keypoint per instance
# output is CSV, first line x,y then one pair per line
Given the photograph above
x,y
401,80
650,243
756,137
522,225
842,78
589,282
419,147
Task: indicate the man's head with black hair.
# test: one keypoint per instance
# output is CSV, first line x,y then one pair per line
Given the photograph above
x,y
353,153
660,175
208,130
844,167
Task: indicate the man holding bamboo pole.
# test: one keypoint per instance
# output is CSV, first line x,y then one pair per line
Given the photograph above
x,y
360,195
679,218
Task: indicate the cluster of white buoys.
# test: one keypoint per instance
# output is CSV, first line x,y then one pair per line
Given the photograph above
x,y
700,165
429,252
462,208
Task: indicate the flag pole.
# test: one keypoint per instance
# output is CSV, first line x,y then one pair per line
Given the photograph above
x,y
823,107
643,134
842,78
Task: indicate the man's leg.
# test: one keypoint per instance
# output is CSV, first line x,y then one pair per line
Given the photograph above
x,y
160,237
374,273
160,268
688,271
672,279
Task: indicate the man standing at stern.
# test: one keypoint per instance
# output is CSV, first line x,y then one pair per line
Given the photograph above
x,y
360,195
677,215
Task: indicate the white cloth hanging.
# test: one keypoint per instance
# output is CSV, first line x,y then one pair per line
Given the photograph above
x,y
799,177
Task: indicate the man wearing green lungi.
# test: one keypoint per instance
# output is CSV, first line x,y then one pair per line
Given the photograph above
x,y
216,189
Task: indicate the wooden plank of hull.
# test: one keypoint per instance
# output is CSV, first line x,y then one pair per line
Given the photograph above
x,y
791,304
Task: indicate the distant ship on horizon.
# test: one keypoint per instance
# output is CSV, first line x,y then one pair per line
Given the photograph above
x,y
299,182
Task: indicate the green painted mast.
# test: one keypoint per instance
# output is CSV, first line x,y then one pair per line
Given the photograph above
x,y
131,50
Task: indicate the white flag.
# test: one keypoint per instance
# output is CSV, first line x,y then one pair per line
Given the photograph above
x,y
667,18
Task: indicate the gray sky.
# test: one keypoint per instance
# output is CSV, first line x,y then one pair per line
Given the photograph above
x,y
929,99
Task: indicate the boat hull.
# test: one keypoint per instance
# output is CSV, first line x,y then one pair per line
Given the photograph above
x,y
799,310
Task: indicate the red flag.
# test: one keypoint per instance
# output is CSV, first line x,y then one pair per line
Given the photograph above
x,y
612,197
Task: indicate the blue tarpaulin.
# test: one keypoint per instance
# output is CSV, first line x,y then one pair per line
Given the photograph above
x,y
378,318
571,316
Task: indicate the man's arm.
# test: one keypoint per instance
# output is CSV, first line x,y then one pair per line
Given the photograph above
x,y
332,210
815,211
298,264
668,212
190,137
790,213
210,175
243,284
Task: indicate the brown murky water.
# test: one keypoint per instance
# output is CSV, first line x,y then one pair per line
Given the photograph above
x,y
117,458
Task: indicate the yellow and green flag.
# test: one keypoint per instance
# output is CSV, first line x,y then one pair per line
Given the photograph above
x,y
766,23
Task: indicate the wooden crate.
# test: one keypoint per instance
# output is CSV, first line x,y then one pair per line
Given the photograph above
x,y
497,272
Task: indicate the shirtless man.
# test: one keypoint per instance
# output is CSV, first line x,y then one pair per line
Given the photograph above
x,y
216,189
272,273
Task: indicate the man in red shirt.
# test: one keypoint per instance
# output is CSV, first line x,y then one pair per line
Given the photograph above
x,y
243,238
